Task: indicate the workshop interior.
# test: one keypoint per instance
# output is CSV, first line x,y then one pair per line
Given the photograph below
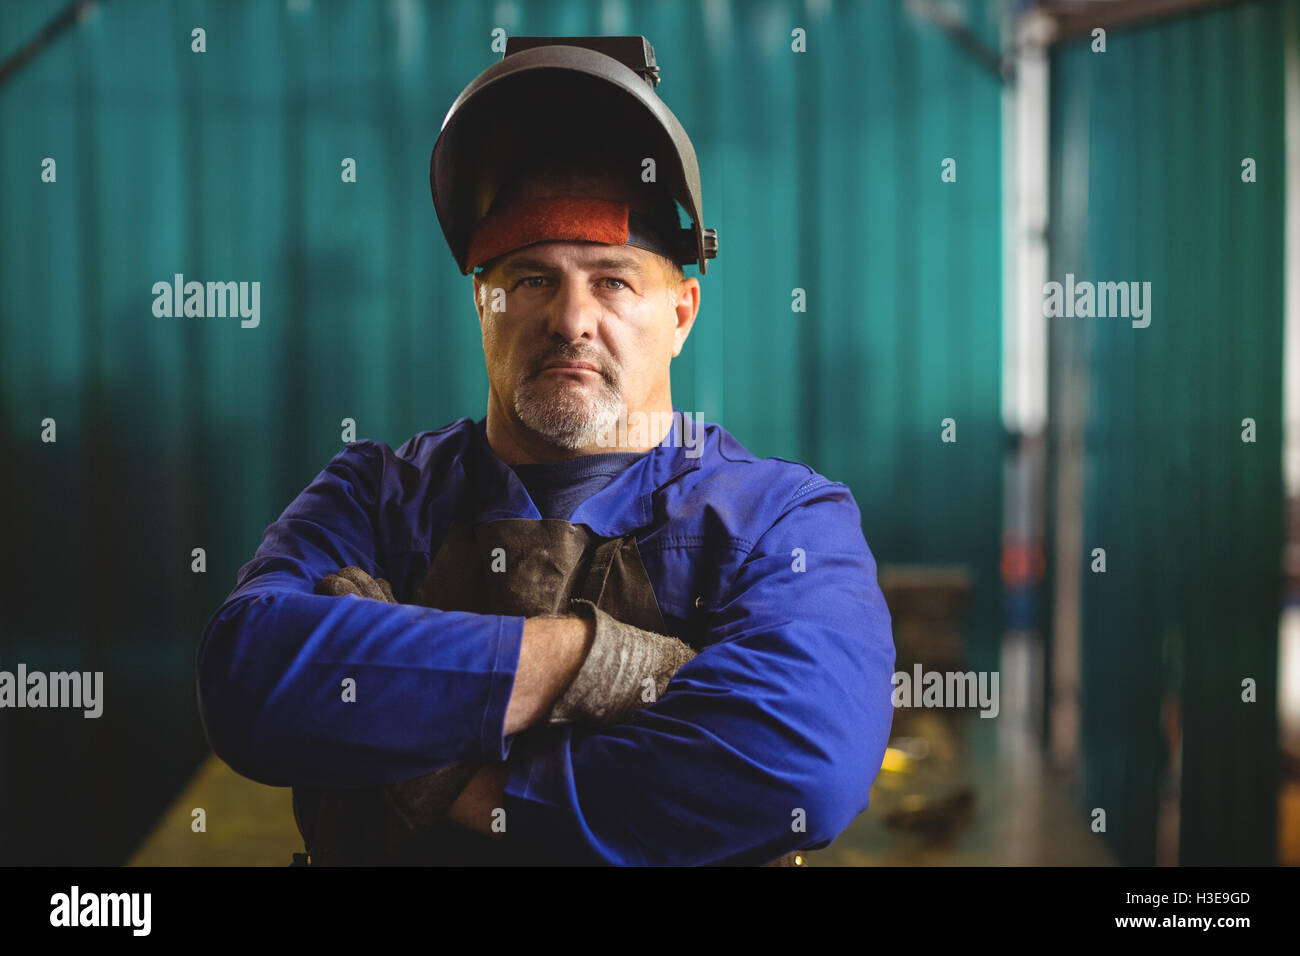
x,y
923,208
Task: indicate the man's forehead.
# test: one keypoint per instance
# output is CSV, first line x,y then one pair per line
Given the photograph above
x,y
551,256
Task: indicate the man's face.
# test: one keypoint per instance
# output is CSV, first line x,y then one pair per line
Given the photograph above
x,y
587,332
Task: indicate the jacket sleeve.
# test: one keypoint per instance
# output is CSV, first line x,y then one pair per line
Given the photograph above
x,y
766,742
297,688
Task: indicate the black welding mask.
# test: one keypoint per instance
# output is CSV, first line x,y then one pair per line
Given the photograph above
x,y
555,99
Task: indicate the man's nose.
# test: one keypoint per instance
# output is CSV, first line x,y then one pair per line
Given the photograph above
x,y
574,310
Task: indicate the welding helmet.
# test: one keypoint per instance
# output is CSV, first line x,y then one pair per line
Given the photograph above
x,y
549,99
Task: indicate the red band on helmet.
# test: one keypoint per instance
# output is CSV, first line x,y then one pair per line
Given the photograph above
x,y
541,220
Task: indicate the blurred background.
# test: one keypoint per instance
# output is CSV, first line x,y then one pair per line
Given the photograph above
x,y
823,131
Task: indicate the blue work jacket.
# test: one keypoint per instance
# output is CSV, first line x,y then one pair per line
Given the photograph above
x,y
766,742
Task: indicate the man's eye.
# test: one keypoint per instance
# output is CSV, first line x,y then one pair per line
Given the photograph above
x,y
621,284
527,279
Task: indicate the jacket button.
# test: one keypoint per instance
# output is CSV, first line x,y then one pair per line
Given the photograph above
x,y
699,601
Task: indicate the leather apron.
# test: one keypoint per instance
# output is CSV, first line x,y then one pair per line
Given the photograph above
x,y
513,566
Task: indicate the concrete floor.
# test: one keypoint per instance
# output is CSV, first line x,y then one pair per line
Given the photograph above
x,y
1015,814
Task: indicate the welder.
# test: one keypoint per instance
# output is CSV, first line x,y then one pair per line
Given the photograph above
x,y
513,640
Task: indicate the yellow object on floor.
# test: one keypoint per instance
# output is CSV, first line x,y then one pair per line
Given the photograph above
x,y
245,824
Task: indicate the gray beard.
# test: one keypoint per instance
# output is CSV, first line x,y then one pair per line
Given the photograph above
x,y
566,419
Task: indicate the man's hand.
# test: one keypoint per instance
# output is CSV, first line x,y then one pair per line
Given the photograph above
x,y
352,580
625,669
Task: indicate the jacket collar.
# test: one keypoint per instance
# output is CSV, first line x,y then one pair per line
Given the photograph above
x,y
625,504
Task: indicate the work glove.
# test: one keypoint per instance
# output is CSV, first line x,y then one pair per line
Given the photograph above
x,y
352,580
626,668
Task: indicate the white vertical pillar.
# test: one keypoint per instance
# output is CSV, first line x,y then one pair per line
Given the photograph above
x,y
1289,642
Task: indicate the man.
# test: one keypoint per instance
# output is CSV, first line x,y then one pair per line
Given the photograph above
x,y
583,629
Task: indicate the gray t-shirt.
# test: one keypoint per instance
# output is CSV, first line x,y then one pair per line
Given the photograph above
x,y
557,488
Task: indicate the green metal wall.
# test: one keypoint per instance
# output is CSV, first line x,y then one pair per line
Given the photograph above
x,y
821,171
1147,144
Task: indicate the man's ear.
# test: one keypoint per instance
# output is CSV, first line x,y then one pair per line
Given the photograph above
x,y
686,303
480,290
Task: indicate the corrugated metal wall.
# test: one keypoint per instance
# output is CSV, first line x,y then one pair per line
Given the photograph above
x,y
821,171
1148,140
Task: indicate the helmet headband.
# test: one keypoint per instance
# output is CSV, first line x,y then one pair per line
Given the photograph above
x,y
564,218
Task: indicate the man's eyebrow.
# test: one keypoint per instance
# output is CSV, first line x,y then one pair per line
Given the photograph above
x,y
527,265
623,263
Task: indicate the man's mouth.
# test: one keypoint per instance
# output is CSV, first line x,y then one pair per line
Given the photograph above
x,y
572,367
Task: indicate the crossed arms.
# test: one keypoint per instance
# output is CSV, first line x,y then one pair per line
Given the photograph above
x,y
765,742
589,668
